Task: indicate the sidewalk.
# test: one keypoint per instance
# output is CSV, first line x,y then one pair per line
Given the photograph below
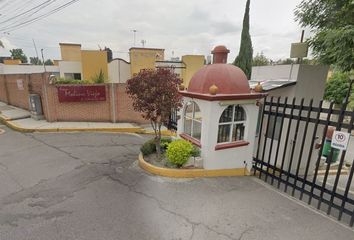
x,y
20,120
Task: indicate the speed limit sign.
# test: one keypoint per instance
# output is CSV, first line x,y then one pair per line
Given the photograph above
x,y
340,140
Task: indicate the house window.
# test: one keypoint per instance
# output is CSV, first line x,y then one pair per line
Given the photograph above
x,y
75,76
193,120
232,124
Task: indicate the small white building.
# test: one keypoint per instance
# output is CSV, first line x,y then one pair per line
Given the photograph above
x,y
118,71
220,114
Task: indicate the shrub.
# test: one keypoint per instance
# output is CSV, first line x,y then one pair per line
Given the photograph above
x,y
165,141
148,147
195,152
178,152
99,78
71,81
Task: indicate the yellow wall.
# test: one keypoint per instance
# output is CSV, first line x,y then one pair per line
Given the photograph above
x,y
70,52
144,58
12,61
192,64
92,61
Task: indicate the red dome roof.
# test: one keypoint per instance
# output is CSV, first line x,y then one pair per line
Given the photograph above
x,y
228,78
220,48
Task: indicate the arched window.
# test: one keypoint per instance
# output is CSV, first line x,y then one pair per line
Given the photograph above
x,y
232,124
192,120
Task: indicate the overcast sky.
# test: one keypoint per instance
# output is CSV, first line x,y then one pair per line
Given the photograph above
x,y
182,27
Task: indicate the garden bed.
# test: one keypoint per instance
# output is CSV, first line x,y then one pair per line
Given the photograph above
x,y
164,163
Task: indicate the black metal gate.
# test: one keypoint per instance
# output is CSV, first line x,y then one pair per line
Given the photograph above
x,y
172,121
294,153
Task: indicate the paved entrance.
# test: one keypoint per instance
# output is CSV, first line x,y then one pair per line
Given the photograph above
x,y
88,186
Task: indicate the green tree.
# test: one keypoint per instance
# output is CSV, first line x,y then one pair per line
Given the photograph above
x,y
332,22
35,61
285,61
48,62
260,60
337,88
244,58
17,53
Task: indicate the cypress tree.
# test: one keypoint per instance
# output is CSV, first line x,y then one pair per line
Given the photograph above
x,y
244,58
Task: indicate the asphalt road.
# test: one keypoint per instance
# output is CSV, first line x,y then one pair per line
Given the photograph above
x,y
88,186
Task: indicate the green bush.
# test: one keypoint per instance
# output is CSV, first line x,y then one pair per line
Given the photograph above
x,y
165,141
178,152
195,151
148,147
71,81
99,78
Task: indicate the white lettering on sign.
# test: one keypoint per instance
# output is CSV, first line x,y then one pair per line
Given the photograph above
x,y
340,140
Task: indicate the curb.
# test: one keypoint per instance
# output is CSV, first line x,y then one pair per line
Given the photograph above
x,y
138,130
190,173
163,133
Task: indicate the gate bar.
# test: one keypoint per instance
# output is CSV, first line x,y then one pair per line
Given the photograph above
x,y
272,139
321,149
311,147
286,140
280,134
302,145
265,136
260,132
294,144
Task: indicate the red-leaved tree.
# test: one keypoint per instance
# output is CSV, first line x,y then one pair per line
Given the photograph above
x,y
155,94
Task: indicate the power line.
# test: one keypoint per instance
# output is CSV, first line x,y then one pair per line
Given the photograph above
x,y
23,13
37,18
7,3
30,14
12,9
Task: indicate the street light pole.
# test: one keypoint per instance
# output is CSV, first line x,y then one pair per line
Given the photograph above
x,y
45,70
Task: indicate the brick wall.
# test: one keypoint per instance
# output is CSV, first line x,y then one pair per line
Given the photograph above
x,y
124,106
3,93
97,111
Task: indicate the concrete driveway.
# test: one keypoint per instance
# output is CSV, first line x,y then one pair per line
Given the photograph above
x,y
88,186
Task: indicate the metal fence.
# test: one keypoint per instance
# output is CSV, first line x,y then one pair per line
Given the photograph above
x,y
172,122
294,153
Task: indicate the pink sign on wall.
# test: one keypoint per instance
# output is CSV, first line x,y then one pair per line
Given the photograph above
x,y
81,93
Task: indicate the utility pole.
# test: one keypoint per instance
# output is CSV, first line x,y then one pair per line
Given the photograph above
x,y
35,48
134,34
301,40
45,70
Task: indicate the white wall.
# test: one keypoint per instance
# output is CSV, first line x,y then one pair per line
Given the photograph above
x,y
224,158
18,69
118,71
69,67
275,72
311,82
